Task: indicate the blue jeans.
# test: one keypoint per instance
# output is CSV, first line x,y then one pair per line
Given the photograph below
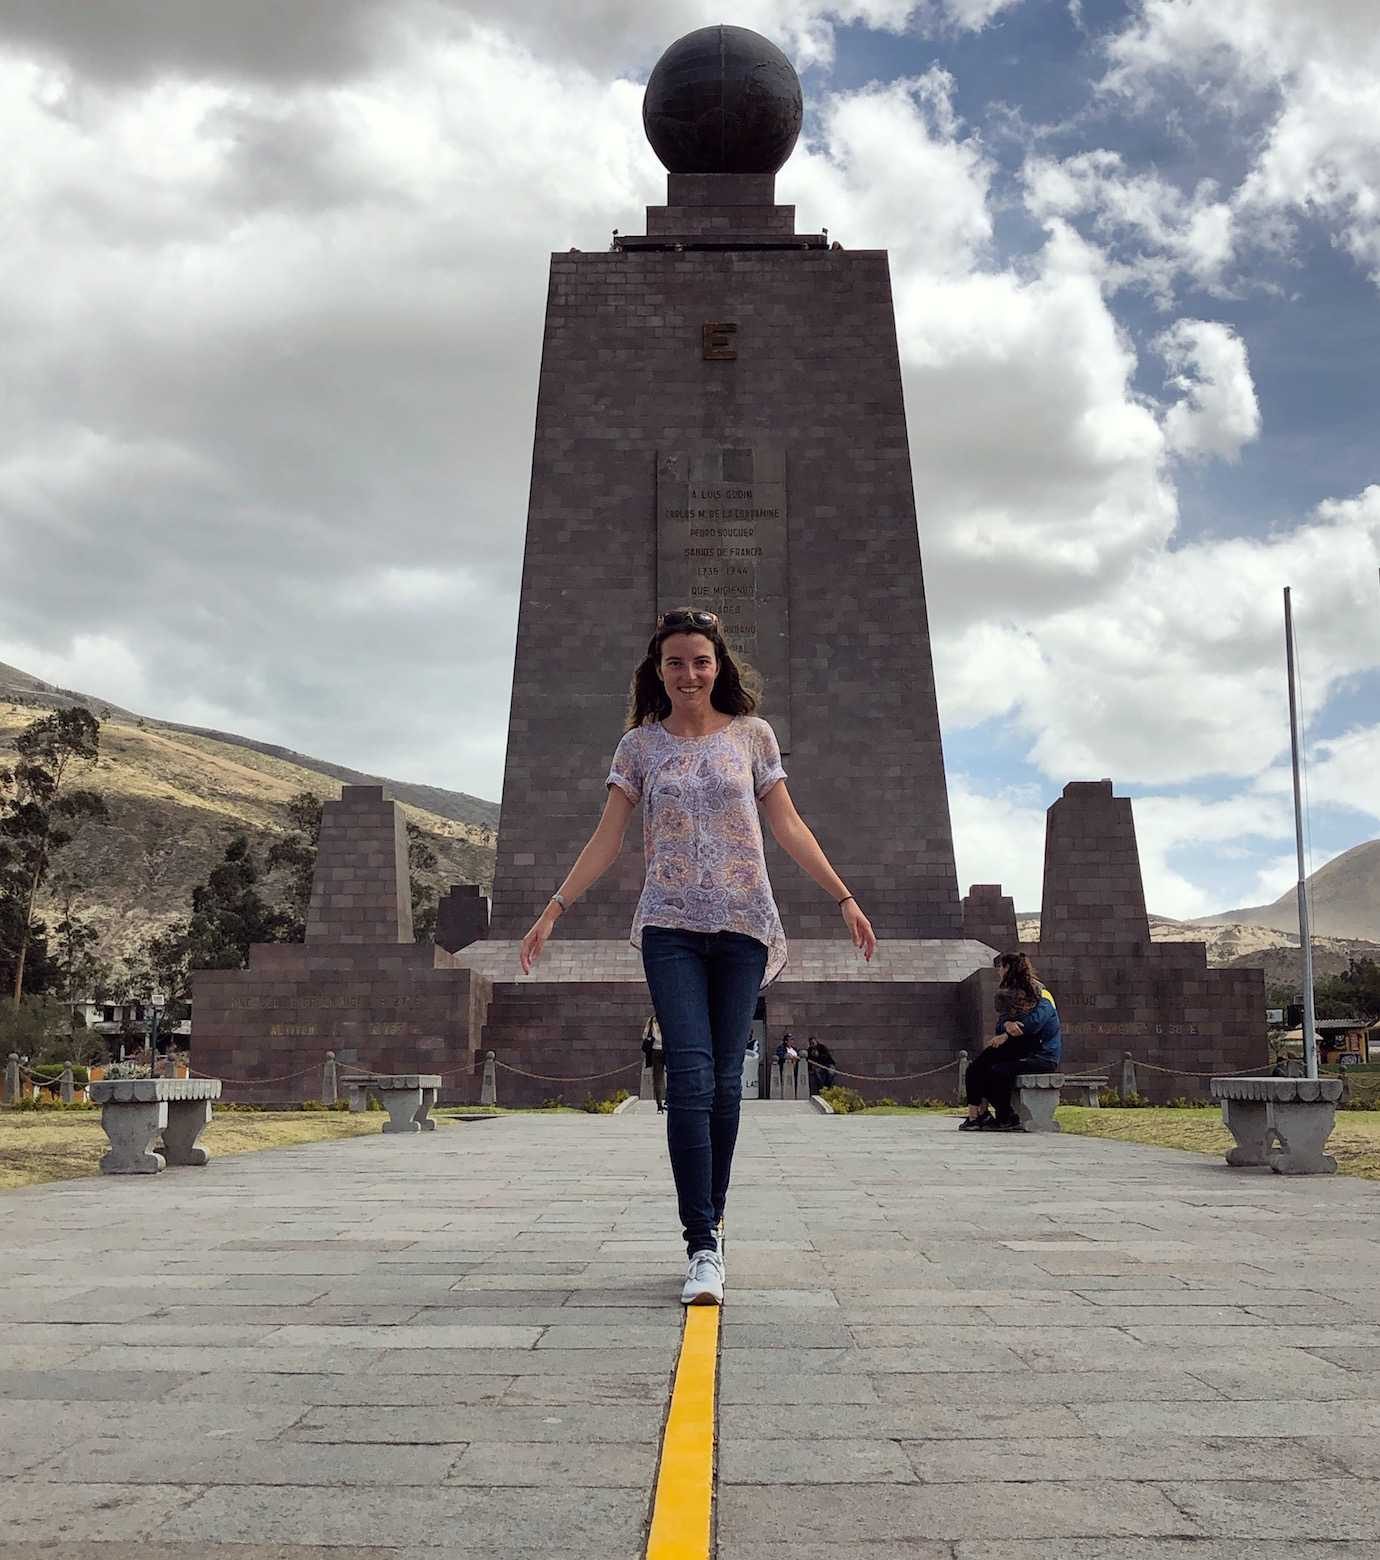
x,y
704,988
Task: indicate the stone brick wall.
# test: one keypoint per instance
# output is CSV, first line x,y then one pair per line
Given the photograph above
x,y
584,1039
1166,1007
1116,991
989,916
817,372
883,1031
361,892
380,1007
1093,899
462,917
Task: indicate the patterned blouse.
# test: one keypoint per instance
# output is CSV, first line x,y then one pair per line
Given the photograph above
x,y
703,838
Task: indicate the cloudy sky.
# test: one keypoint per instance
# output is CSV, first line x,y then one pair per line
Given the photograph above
x,y
271,294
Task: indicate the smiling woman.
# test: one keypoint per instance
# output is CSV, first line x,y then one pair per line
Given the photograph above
x,y
702,763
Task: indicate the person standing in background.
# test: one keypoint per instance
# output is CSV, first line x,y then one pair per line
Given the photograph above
x,y
654,1057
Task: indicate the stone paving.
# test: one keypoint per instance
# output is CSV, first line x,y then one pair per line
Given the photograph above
x,y
939,1346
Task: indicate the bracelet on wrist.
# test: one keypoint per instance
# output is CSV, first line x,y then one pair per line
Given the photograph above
x,y
558,899
842,902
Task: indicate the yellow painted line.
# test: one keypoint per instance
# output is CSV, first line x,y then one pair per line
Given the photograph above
x,y
682,1511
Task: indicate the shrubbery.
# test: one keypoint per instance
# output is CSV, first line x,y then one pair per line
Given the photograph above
x,y
1111,1100
51,1072
51,1102
843,1101
605,1107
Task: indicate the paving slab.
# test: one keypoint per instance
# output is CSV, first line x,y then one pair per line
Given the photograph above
x,y
934,1347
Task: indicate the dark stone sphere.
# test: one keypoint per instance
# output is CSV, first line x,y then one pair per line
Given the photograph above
x,y
722,100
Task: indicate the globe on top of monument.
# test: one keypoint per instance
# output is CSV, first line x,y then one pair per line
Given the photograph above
x,y
722,100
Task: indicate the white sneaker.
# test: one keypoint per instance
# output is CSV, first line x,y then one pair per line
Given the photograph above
x,y
704,1280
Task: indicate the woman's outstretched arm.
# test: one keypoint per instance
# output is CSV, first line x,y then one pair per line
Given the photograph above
x,y
792,834
599,854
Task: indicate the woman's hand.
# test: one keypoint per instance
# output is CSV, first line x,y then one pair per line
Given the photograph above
x,y
535,940
859,928
1014,1029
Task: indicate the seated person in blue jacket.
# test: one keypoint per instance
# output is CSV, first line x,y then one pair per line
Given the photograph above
x,y
1027,1040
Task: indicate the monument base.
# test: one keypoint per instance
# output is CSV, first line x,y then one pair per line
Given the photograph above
x,y
572,1028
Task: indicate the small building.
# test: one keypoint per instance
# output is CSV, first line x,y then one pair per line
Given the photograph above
x,y
1345,1042
118,1022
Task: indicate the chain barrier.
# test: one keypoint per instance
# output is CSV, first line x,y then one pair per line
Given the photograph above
x,y
895,1078
250,1083
1183,1072
612,1072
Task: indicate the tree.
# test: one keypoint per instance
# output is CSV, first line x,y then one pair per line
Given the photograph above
x,y
40,813
295,853
30,1026
1355,993
38,974
421,858
81,971
228,914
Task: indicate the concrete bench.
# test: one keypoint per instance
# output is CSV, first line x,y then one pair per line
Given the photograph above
x,y
134,1111
1035,1098
1280,1122
1088,1085
407,1097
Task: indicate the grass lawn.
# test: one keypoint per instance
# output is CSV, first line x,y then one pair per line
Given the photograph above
x,y
443,1111
38,1146
1354,1144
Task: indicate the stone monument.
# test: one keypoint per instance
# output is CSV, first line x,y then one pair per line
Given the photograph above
x,y
359,986
1117,990
719,422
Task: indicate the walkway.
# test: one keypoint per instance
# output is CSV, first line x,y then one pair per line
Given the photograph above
x,y
938,1347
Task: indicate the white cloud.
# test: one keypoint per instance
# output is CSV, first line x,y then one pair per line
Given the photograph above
x,y
1345,771
1175,670
90,661
331,40
1273,879
1217,411
1316,61
271,322
999,837
1153,234
1186,826
894,159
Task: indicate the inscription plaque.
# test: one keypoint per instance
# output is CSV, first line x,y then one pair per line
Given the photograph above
x,y
722,544
720,341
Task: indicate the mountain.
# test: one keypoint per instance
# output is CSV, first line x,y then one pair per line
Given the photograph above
x,y
1237,943
20,688
177,794
1343,899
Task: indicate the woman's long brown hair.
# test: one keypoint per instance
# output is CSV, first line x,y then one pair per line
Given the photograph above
x,y
1018,974
737,689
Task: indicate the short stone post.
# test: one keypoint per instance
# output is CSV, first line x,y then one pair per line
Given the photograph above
x,y
646,1090
488,1090
330,1092
1128,1074
962,1077
65,1087
802,1079
12,1079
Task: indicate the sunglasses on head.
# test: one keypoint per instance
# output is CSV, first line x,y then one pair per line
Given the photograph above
x,y
684,617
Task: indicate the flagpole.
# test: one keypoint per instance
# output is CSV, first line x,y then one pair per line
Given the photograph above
x,y
1310,1022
